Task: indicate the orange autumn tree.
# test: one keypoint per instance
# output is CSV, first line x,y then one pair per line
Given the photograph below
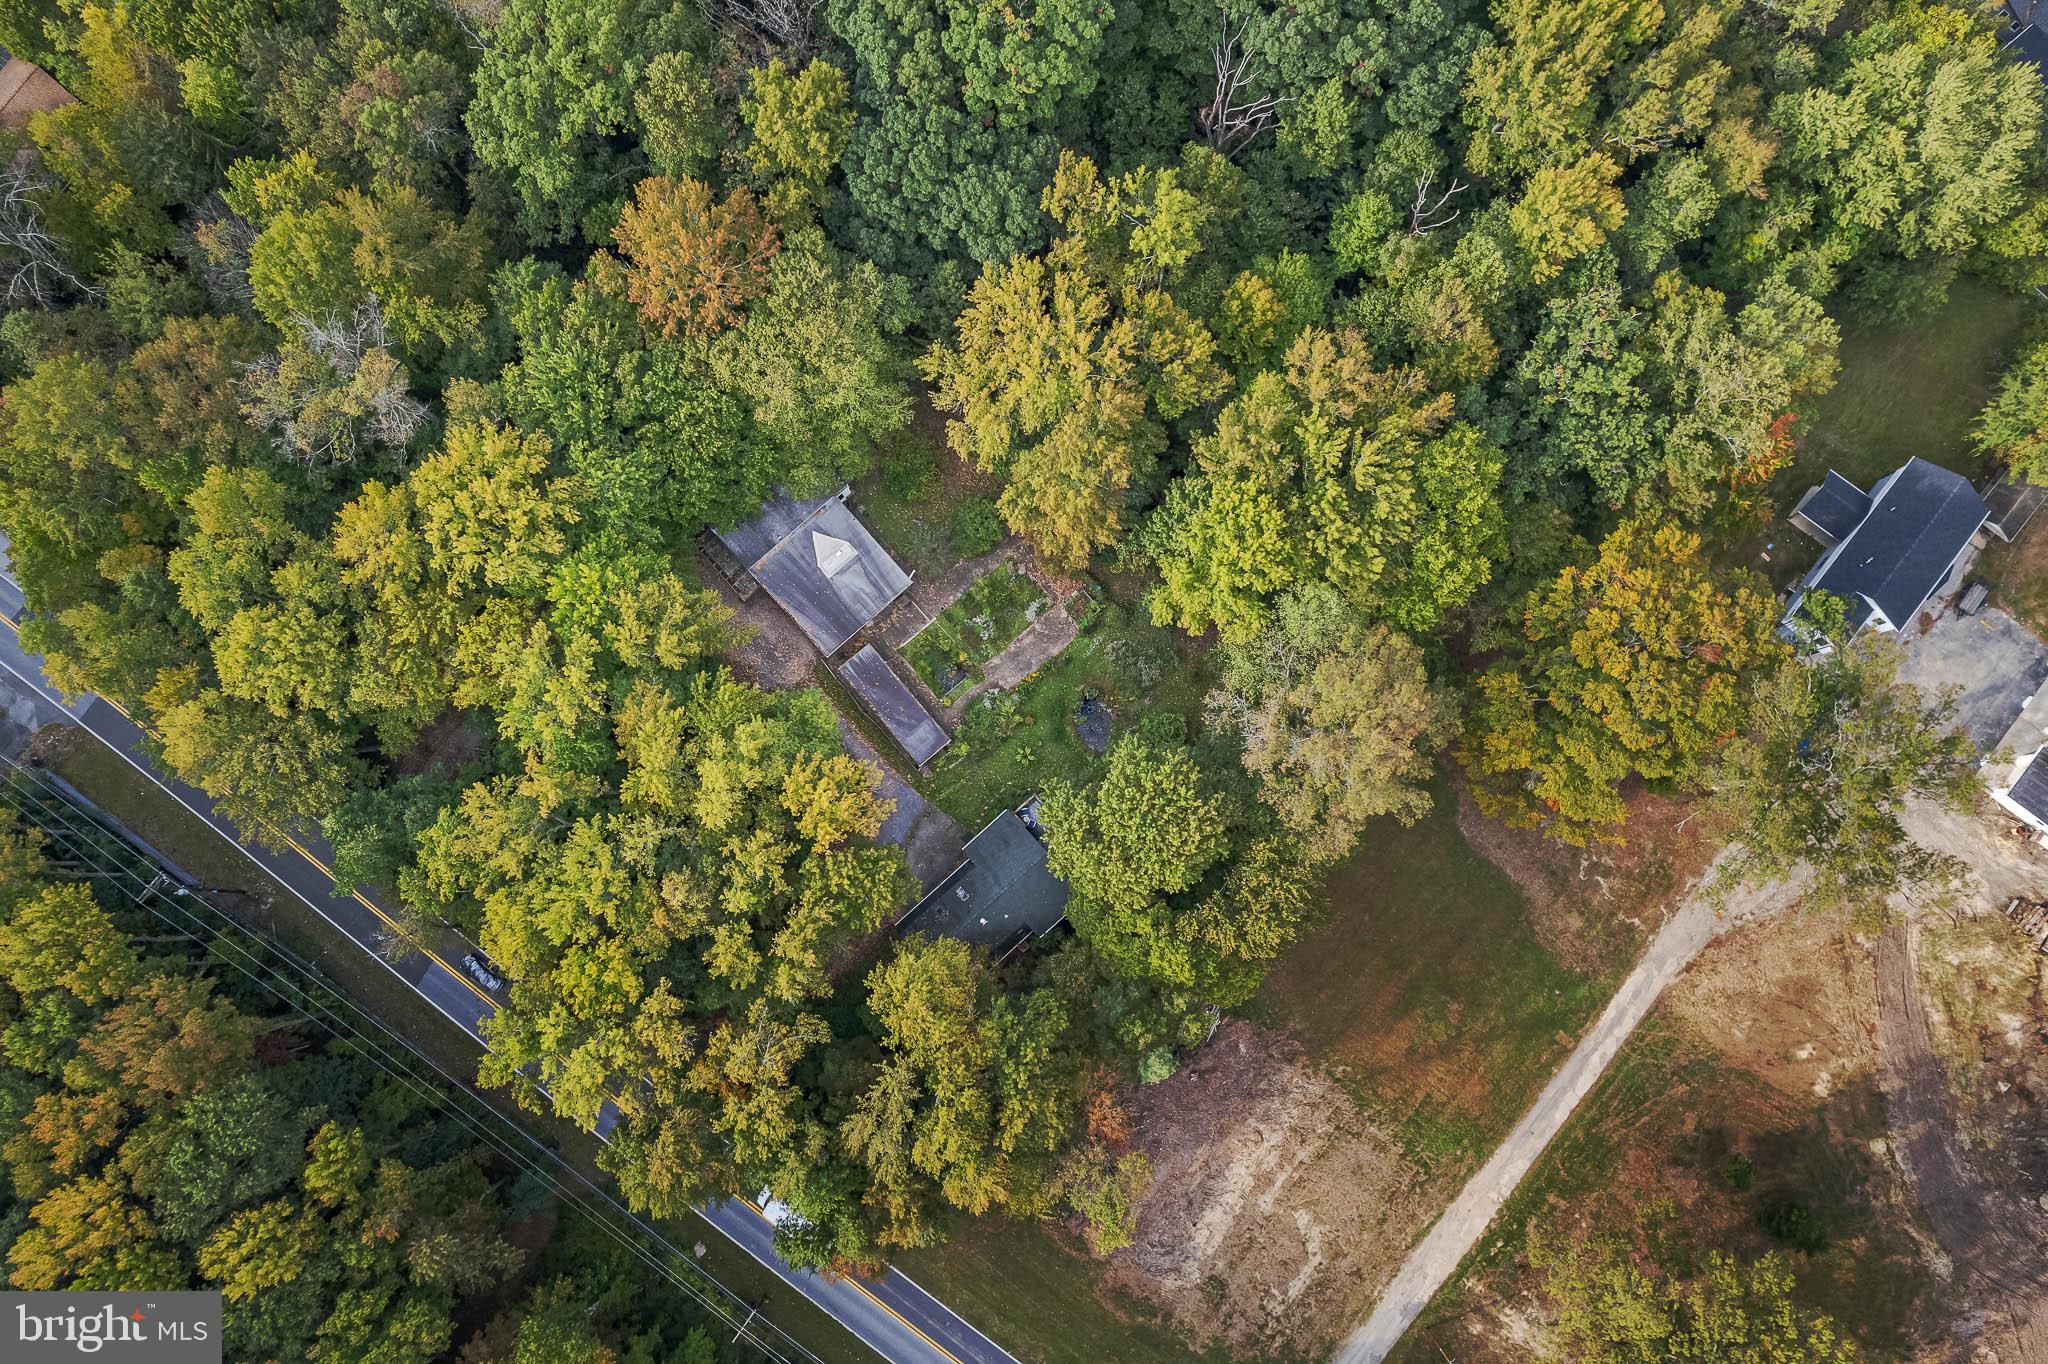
x,y
695,263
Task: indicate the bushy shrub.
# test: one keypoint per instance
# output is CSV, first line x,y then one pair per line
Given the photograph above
x,y
977,528
1167,728
1793,1224
910,470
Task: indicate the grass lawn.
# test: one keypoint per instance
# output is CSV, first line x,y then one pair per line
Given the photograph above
x,y
1909,390
1426,993
2018,573
993,611
273,911
1042,1302
1644,1156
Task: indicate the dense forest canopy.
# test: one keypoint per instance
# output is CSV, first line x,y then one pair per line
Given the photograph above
x,y
373,365
179,1119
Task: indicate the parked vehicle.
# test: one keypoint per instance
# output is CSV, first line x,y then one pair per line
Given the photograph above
x,y
480,971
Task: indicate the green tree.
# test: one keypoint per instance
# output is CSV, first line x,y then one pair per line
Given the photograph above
x,y
657,449
2013,426
679,120
1158,889
818,364
1834,748
960,117
1340,735
1585,413
1915,137
1740,1311
554,90
1063,395
800,124
1641,663
1331,470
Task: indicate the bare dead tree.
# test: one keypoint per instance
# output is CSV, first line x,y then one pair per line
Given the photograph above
x,y
334,391
476,19
1236,116
221,241
32,264
771,23
1428,214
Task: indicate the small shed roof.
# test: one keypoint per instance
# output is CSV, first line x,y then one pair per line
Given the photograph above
x,y
870,678
1835,507
1001,891
1921,517
2011,504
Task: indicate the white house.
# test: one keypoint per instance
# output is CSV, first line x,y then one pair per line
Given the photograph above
x,y
1887,551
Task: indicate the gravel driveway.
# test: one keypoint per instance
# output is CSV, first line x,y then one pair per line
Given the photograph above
x,y
1437,1256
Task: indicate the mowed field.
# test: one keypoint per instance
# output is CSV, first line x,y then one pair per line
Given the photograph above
x,y
1426,993
1912,389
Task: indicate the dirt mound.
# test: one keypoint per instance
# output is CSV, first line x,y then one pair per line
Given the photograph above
x,y
1276,1211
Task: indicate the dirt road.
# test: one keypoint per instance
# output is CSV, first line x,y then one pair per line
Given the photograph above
x,y
1437,1256
1993,1240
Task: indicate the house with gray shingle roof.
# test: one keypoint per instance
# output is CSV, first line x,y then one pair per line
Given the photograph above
x,y
819,563
1886,552
1001,896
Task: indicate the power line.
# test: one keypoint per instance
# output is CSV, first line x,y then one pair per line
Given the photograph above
x,y
176,909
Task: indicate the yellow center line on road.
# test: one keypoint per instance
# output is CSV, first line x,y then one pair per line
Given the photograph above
x,y
365,901
862,1289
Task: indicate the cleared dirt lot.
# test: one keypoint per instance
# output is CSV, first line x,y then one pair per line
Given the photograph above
x,y
1276,1209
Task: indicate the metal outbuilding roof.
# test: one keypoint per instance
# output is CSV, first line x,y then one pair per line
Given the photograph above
x,y
868,675
820,564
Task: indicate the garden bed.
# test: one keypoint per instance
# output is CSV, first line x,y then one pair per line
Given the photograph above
x,y
981,623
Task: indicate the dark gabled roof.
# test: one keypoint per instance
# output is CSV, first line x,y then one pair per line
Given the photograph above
x,y
2028,40
2030,792
826,570
754,541
1001,888
1835,506
870,678
1920,519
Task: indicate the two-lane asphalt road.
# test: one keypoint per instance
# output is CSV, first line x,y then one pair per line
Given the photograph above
x,y
891,1315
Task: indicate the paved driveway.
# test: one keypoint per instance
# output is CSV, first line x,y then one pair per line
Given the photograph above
x,y
1994,662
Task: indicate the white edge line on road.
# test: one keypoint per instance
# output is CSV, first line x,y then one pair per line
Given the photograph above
x,y
940,1302
78,713
200,815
